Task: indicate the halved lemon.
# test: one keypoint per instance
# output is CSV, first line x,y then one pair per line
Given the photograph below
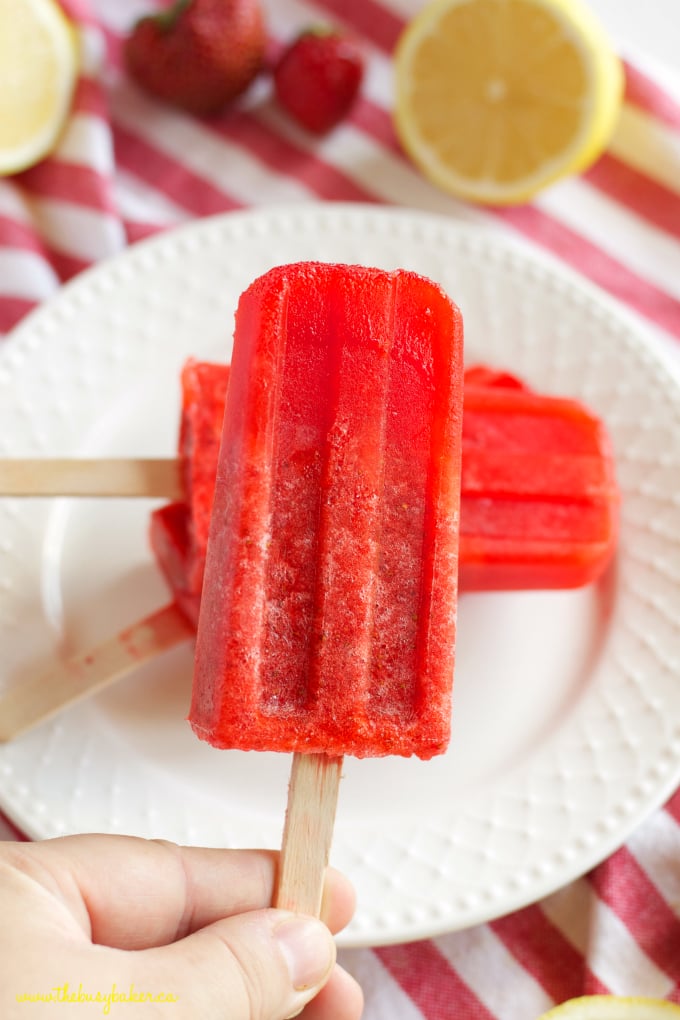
x,y
613,1007
495,99
38,71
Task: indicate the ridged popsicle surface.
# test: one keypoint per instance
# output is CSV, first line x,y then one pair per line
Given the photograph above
x,y
328,612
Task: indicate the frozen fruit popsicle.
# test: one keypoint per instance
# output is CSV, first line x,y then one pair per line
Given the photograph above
x,y
539,500
171,543
510,537
204,391
179,530
327,620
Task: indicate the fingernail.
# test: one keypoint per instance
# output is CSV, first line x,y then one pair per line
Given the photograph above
x,y
308,949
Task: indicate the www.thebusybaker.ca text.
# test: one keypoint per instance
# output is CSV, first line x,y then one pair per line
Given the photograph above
x,y
63,994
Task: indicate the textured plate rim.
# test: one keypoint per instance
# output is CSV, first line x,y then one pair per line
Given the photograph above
x,y
517,890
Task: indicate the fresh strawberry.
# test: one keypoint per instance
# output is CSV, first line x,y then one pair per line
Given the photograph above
x,y
317,78
199,54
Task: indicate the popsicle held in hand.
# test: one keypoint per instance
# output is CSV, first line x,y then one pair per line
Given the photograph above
x,y
327,621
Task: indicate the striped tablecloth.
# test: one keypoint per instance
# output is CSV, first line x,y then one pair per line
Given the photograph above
x,y
127,167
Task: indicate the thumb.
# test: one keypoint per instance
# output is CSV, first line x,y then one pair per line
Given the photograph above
x,y
261,965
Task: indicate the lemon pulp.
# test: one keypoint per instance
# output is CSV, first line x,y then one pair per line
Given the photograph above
x,y
38,70
497,98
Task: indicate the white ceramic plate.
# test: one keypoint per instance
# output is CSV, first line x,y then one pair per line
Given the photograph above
x,y
567,705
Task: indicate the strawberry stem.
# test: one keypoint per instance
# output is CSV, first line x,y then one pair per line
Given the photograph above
x,y
166,20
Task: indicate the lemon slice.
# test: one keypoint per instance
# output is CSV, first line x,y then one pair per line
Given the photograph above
x,y
495,99
613,1007
38,70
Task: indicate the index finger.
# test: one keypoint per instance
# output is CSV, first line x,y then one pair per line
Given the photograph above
x,y
133,893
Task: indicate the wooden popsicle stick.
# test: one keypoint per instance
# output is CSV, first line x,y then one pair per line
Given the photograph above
x,y
35,699
118,476
308,832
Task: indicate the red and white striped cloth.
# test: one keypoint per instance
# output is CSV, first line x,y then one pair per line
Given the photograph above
x,y
128,167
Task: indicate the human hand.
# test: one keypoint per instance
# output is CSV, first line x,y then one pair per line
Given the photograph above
x,y
121,916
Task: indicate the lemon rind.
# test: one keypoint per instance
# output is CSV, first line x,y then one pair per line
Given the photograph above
x,y
606,79
613,1007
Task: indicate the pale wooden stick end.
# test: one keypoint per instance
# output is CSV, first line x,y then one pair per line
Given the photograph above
x,y
308,832
41,696
117,477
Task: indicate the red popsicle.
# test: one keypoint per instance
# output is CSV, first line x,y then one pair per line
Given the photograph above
x,y
327,620
517,530
539,500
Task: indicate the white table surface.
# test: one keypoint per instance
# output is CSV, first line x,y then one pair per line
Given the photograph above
x,y
650,28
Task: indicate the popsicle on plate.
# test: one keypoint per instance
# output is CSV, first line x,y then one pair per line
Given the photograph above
x,y
327,619
169,536
204,391
526,522
539,499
